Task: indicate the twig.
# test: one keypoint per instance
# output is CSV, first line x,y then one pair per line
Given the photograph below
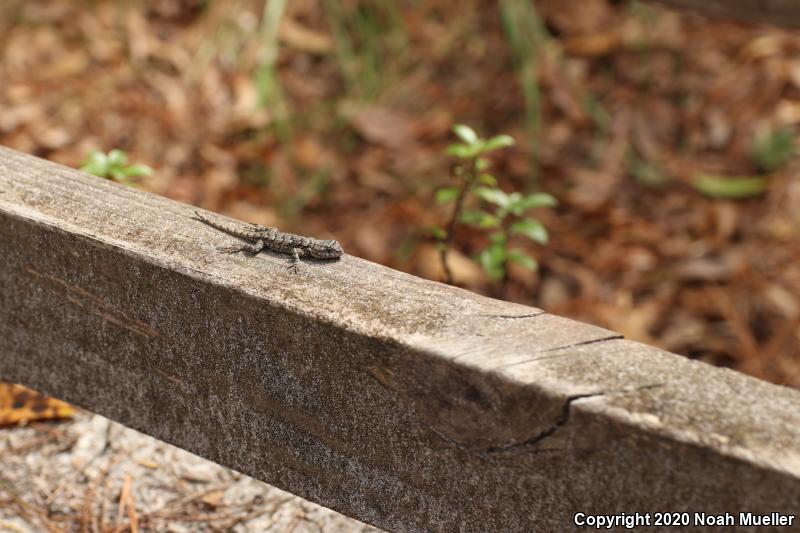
x,y
127,500
27,510
454,217
89,521
163,511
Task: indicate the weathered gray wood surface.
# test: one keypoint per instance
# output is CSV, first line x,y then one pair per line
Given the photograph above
x,y
402,402
784,13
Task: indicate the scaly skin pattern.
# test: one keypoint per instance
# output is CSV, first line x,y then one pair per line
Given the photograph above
x,y
263,237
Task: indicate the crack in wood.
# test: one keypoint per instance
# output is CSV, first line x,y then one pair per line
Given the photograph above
x,y
560,421
531,315
584,343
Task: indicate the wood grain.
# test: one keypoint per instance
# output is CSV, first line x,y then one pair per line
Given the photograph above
x,y
405,403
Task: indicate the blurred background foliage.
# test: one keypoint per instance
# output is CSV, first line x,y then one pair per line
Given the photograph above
x,y
669,140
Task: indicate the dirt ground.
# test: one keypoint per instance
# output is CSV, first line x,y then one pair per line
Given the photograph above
x,y
94,475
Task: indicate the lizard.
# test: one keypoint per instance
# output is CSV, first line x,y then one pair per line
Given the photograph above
x,y
264,237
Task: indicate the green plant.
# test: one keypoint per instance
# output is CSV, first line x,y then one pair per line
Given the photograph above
x,y
270,91
495,257
734,188
645,13
370,42
527,37
773,149
502,223
602,125
646,172
114,166
770,151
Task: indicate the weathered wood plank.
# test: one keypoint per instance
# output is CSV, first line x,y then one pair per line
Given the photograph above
x,y
402,402
784,13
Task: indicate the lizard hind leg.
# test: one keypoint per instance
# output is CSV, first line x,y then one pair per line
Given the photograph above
x,y
295,260
250,249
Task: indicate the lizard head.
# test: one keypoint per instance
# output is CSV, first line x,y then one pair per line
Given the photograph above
x,y
327,249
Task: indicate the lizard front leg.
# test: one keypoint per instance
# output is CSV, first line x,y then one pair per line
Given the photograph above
x,y
297,253
250,249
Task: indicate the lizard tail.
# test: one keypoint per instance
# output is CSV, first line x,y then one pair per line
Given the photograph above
x,y
226,227
216,225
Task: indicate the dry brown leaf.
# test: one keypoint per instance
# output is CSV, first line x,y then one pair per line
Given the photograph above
x,y
295,35
213,499
592,190
311,154
19,404
594,44
381,125
634,320
465,271
576,16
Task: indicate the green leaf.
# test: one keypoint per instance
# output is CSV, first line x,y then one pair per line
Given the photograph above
x,y
117,158
479,219
96,157
493,261
117,174
96,163
137,170
463,151
533,229
491,195
773,149
515,203
734,188
436,232
500,141
537,200
114,165
465,133
487,179
457,150
498,237
482,163
447,194
520,257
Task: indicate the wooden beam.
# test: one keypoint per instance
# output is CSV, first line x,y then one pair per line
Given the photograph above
x,y
402,402
784,13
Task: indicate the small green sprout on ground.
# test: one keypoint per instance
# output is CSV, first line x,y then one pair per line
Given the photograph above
x,y
114,166
771,151
505,219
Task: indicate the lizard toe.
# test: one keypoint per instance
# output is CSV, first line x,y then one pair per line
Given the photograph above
x,y
229,249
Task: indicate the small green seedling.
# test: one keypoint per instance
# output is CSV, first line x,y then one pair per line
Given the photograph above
x,y
508,217
771,151
731,188
114,166
506,222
